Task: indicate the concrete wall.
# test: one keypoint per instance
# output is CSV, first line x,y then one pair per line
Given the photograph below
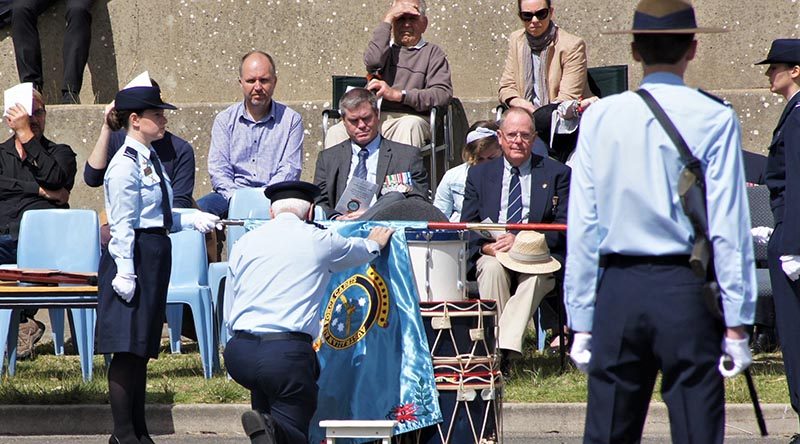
x,y
192,47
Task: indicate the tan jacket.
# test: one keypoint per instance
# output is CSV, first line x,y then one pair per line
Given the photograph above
x,y
566,68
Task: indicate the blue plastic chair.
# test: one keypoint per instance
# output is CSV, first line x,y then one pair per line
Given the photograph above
x,y
188,284
66,240
246,203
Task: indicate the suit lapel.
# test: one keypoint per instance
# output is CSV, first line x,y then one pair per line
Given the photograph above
x,y
494,182
384,157
786,111
342,162
539,181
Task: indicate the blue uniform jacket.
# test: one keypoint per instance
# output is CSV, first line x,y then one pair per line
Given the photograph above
x,y
784,156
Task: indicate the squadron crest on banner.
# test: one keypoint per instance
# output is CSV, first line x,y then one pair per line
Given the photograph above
x,y
360,302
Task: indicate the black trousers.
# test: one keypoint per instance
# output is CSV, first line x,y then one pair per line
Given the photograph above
x,y
650,318
787,312
28,50
282,378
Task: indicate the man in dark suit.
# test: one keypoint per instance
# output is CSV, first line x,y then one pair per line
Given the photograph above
x,y
367,156
519,187
782,176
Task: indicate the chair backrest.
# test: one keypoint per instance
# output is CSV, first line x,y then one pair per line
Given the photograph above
x,y
66,240
760,216
189,260
246,203
607,80
341,83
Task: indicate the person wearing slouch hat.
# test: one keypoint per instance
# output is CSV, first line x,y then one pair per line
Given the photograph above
x,y
634,302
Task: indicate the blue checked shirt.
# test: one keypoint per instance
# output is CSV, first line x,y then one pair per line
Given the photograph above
x,y
245,153
624,198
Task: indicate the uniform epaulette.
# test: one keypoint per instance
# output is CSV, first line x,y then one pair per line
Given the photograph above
x,y
714,98
321,227
131,152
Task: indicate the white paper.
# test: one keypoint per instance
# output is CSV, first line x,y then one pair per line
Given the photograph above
x,y
22,94
490,234
357,196
142,79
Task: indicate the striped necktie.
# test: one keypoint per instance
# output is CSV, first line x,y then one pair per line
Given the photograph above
x,y
514,211
166,205
361,167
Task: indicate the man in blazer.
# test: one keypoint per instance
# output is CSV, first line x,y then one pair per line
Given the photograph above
x,y
366,155
560,58
783,164
518,187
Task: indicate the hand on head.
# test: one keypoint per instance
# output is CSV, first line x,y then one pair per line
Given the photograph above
x,y
399,9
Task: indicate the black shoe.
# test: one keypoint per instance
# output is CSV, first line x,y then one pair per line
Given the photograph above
x,y
795,439
145,439
765,342
70,98
505,363
258,427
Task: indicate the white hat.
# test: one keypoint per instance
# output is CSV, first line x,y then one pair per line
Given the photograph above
x,y
529,254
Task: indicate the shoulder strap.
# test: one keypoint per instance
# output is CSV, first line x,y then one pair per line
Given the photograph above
x,y
686,155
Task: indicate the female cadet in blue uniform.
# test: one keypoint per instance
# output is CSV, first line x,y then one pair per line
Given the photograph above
x,y
278,274
134,271
783,180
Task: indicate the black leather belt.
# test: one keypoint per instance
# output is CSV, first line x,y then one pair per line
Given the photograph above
x,y
275,336
153,230
621,260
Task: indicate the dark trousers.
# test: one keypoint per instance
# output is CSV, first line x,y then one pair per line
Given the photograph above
x,y
28,50
282,378
787,312
649,318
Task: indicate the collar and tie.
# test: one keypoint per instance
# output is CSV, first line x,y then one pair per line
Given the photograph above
x,y
514,210
361,168
166,206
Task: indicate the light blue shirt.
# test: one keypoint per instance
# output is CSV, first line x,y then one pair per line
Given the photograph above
x,y
624,198
279,272
132,199
245,153
450,192
524,182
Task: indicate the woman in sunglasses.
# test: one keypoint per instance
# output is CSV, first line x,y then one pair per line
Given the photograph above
x,y
545,63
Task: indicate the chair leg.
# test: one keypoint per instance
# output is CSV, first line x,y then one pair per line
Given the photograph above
x,y
202,312
84,322
57,325
541,334
174,323
9,333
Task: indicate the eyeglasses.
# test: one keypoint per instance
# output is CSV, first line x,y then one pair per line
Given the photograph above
x,y
527,137
540,15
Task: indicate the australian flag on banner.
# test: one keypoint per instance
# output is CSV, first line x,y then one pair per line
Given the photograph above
x,y
374,356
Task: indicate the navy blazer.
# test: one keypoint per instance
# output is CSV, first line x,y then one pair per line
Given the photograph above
x,y
333,167
783,176
549,199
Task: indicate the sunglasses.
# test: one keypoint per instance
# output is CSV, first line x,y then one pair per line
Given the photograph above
x,y
540,15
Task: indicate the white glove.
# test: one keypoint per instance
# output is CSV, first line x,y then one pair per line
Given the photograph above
x,y
761,234
738,351
125,285
204,222
581,351
791,266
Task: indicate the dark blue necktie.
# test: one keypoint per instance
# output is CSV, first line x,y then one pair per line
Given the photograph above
x,y
166,206
514,211
361,168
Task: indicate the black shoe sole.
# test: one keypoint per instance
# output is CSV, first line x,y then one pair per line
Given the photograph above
x,y
255,426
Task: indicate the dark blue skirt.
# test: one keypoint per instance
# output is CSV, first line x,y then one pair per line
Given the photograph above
x,y
135,326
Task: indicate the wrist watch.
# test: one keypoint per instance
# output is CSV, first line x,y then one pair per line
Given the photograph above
x,y
403,96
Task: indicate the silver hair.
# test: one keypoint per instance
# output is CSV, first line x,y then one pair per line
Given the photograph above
x,y
422,6
298,207
355,97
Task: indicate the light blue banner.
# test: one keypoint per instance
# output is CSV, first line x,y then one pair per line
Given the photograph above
x,y
373,352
